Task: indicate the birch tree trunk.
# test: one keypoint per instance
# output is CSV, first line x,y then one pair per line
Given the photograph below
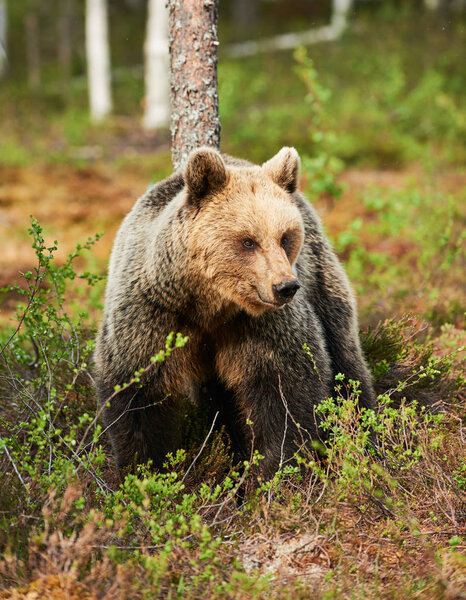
x,y
193,60
157,68
340,12
98,59
3,38
288,41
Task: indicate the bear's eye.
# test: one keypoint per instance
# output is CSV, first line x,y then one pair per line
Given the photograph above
x,y
249,244
284,242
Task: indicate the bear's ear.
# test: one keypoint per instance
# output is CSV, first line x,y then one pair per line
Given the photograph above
x,y
283,168
205,173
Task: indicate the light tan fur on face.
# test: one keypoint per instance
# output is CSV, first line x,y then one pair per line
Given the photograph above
x,y
250,206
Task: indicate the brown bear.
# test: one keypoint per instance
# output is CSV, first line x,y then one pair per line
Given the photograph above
x,y
233,256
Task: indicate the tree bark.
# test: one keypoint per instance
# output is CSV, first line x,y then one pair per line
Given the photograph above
x,y
340,12
193,61
98,59
157,68
3,38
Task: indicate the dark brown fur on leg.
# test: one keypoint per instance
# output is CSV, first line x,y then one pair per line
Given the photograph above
x,y
142,426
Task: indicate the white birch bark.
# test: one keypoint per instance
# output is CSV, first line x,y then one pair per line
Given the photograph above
x,y
157,67
288,41
98,59
340,12
432,4
3,38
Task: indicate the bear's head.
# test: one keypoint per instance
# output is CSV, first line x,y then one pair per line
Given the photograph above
x,y
245,229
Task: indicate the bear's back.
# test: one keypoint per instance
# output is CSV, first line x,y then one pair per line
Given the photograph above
x,y
160,194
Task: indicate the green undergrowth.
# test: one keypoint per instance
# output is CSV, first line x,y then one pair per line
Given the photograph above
x,y
394,86
406,247
377,511
391,99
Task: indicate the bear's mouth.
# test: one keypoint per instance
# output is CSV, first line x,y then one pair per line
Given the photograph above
x,y
270,302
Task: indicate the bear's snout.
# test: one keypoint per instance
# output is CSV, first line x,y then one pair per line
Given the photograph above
x,y
285,290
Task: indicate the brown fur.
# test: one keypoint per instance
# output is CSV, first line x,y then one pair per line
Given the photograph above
x,y
179,263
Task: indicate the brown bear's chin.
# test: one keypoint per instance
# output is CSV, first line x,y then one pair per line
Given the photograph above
x,y
271,304
256,310
258,305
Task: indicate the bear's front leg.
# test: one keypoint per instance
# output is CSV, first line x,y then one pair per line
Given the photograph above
x,y
326,287
143,418
335,306
274,383
143,423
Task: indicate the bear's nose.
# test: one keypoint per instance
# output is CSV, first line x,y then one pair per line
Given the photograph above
x,y
286,289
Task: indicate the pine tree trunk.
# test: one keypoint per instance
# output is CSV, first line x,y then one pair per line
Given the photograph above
x,y
193,61
157,69
98,59
3,38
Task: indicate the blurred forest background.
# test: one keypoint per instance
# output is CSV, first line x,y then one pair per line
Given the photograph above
x,y
377,113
